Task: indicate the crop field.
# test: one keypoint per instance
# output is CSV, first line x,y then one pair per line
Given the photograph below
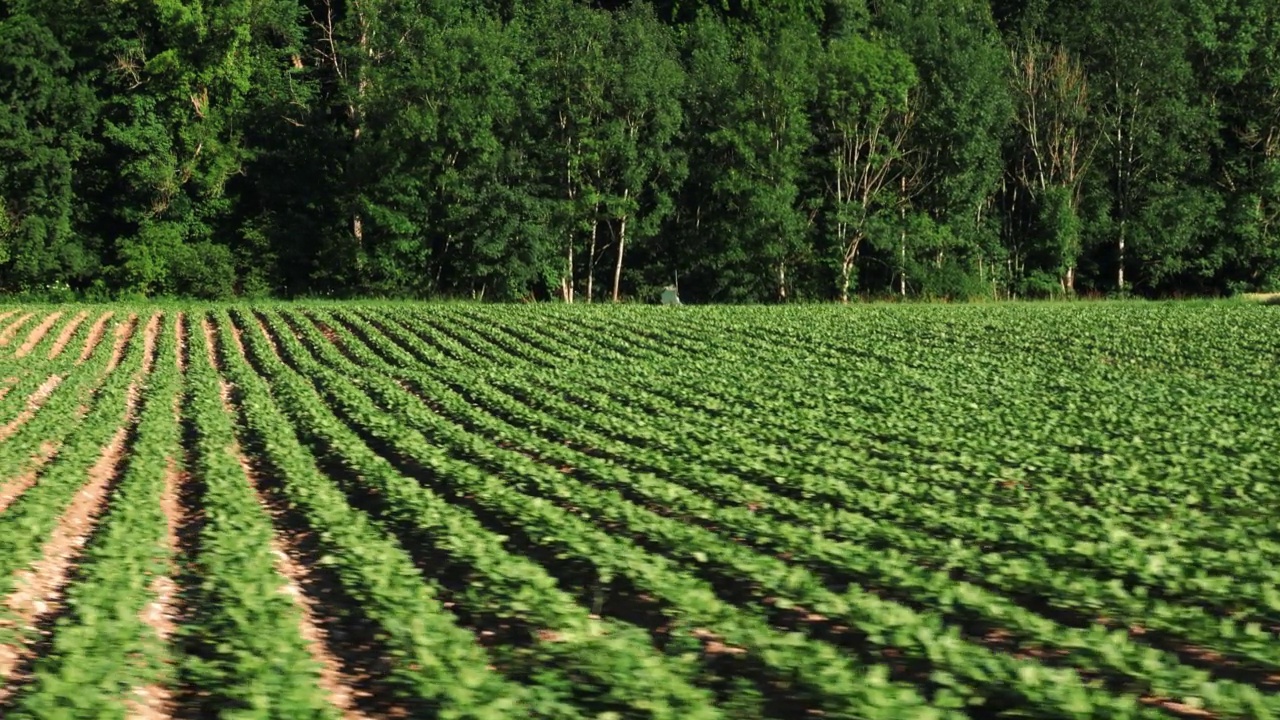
x,y
372,510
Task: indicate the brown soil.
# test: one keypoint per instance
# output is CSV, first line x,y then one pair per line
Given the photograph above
x,y
34,402
123,331
152,702
156,702
163,615
7,335
238,337
37,334
64,337
37,596
180,340
150,335
271,340
7,314
95,336
1177,709
13,488
38,592
211,347
329,333
339,687
160,614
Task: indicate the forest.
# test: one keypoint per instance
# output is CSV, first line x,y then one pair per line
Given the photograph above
x,y
747,151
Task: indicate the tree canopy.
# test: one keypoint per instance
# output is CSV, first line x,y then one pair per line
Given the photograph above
x,y
590,151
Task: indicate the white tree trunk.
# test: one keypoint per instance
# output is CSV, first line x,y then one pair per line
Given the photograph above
x,y
566,283
622,248
591,267
902,262
1120,269
846,269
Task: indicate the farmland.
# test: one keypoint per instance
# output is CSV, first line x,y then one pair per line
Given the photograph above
x,y
395,510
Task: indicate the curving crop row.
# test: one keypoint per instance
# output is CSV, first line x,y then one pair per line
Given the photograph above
x,y
1095,650
838,684
435,662
14,326
51,325
921,637
624,671
33,371
1025,568
1077,484
103,648
247,654
912,364
25,525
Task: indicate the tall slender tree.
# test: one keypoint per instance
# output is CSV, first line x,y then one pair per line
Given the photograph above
x,y
864,115
1051,151
752,93
646,163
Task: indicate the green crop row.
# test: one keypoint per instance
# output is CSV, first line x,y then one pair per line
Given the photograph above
x,y
435,662
103,649
32,372
619,513
1150,575
743,517
25,525
834,681
623,671
245,648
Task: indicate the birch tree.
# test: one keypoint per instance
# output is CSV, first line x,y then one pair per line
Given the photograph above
x,y
574,73
864,116
1055,143
646,163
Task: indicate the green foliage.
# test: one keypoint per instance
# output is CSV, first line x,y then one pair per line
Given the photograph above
x,y
44,128
750,96
104,644
559,148
246,649
579,512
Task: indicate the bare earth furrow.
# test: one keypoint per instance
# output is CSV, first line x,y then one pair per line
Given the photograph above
x,y
34,402
95,336
12,488
6,336
64,337
339,688
180,334
37,334
123,332
6,386
163,614
160,614
38,591
150,334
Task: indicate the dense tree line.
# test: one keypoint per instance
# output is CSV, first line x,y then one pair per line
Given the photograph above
x,y
756,151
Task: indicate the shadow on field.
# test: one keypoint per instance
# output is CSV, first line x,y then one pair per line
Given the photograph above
x,y
349,635
40,637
